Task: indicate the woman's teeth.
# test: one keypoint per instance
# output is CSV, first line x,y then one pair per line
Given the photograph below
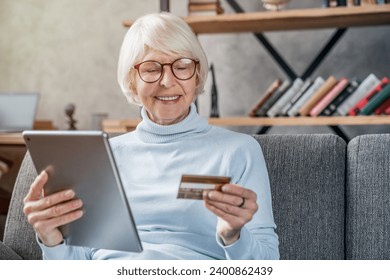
x,y
167,98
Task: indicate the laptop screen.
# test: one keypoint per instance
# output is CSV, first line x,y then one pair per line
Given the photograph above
x,y
17,111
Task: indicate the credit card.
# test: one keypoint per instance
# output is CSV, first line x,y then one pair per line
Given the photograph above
x,y
193,186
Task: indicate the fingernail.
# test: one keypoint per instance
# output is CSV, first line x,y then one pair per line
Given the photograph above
x,y
78,203
80,213
69,193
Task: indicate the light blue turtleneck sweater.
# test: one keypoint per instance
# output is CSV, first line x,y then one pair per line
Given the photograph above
x,y
151,161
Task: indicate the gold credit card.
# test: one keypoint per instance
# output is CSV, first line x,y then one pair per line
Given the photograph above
x,y
193,186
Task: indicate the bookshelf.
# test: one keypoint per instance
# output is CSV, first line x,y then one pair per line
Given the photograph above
x,y
340,18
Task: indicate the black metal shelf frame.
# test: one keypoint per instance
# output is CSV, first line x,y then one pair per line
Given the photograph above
x,y
288,70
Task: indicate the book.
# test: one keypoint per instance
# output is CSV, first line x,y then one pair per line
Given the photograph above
x,y
381,109
297,95
275,110
377,100
324,89
262,112
368,84
332,106
267,94
318,82
362,102
387,111
201,7
341,2
329,97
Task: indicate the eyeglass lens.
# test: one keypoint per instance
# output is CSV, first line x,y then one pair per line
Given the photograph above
x,y
151,71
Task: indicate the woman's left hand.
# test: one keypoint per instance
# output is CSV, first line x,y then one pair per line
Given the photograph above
x,y
234,206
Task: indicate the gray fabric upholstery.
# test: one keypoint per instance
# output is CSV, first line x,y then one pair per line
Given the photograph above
x,y
18,234
307,184
7,253
368,198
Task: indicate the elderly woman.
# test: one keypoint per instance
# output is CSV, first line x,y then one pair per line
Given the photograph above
x,y
163,68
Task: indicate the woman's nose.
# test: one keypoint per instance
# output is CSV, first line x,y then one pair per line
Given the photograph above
x,y
167,78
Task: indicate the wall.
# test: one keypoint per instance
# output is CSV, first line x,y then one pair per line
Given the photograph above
x,y
67,51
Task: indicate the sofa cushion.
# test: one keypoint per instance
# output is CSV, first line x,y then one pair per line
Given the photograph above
x,y
18,234
307,177
368,198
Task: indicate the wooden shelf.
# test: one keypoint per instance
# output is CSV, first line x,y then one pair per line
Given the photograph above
x,y
337,17
122,126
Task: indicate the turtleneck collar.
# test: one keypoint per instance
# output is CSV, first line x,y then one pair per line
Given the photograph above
x,y
151,132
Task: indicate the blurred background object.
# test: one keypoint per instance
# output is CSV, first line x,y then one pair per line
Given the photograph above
x,y
275,5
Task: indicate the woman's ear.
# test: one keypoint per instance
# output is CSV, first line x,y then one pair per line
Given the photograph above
x,y
132,87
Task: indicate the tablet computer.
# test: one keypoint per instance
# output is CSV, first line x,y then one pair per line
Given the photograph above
x,y
83,161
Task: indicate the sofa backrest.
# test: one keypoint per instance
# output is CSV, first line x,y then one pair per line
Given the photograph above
x,y
368,198
307,177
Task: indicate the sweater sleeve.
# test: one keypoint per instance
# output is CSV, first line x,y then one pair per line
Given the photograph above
x,y
64,252
258,239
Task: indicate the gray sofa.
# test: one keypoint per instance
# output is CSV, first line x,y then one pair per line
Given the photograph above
x,y
331,200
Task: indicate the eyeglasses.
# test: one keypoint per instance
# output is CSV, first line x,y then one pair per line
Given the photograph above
x,y
151,71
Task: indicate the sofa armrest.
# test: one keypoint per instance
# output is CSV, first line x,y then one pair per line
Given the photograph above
x,y
19,236
7,253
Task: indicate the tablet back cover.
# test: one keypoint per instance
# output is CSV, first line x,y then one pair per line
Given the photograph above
x,y
83,161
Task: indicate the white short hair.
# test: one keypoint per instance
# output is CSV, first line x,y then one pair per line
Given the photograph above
x,y
163,32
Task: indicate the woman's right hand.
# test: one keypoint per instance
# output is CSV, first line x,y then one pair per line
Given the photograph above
x,y
47,213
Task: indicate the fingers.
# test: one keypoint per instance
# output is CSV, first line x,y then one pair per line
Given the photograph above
x,y
47,213
44,226
54,211
48,201
233,195
36,187
227,204
48,231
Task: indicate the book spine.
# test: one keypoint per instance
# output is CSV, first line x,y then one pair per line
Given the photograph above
x,y
306,85
267,94
382,108
325,88
377,100
367,85
325,3
318,82
329,97
362,102
387,111
356,2
274,97
275,110
332,106
341,2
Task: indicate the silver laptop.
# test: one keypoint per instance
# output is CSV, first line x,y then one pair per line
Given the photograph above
x,y
83,161
17,111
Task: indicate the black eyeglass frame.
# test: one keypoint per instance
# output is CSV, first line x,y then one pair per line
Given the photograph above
x,y
137,66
